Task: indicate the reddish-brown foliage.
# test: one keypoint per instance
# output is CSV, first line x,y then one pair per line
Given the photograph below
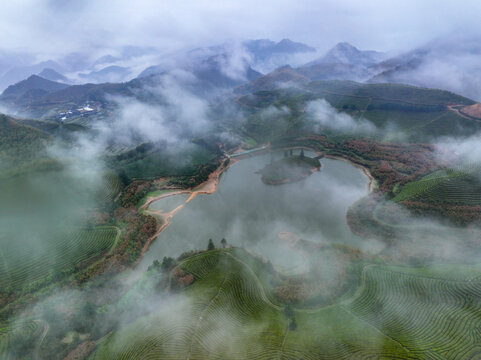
x,y
186,280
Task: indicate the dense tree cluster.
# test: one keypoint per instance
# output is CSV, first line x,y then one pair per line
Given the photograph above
x,y
135,192
139,229
181,278
201,175
459,214
394,164
388,163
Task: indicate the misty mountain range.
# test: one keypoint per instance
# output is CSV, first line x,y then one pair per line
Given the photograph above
x,y
244,67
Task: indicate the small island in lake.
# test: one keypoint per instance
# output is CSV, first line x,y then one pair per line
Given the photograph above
x,y
290,168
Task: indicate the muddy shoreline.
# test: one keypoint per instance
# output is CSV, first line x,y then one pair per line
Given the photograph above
x,y
207,187
365,170
372,181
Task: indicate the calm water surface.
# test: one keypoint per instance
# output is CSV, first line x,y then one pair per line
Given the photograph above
x,y
247,212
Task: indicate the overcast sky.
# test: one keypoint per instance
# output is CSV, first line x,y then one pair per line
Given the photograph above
x,y
59,26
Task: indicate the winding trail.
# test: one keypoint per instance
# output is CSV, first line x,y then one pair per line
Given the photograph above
x,y
284,341
199,319
343,305
459,112
420,126
374,327
258,282
46,328
150,199
361,288
116,241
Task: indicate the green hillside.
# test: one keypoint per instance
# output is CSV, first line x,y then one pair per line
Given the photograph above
x,y
19,143
62,254
395,109
148,161
395,93
458,186
396,313
31,87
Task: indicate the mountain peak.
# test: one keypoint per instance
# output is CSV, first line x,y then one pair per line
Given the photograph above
x,y
347,54
343,52
35,78
345,46
33,82
285,41
287,45
52,75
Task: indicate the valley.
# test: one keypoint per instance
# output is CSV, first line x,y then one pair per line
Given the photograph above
x,y
244,199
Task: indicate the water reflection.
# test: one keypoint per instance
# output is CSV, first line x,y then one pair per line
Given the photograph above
x,y
249,213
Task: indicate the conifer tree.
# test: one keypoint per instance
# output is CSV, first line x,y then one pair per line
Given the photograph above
x,y
211,245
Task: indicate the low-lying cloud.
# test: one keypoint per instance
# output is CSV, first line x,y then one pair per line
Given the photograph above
x,y
464,149
324,116
177,114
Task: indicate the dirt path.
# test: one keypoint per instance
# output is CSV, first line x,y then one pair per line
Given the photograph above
x,y
116,241
151,199
165,219
207,187
210,186
458,111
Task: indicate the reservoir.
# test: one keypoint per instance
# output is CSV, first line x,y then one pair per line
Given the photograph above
x,y
247,212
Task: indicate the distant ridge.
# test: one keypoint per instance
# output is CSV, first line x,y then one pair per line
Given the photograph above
x,y
52,75
285,76
112,73
265,48
258,56
35,84
345,53
342,62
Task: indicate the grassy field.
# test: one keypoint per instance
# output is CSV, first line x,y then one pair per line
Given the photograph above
x,y
228,313
28,268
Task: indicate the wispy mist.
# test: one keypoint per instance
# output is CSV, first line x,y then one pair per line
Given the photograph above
x,y
324,116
